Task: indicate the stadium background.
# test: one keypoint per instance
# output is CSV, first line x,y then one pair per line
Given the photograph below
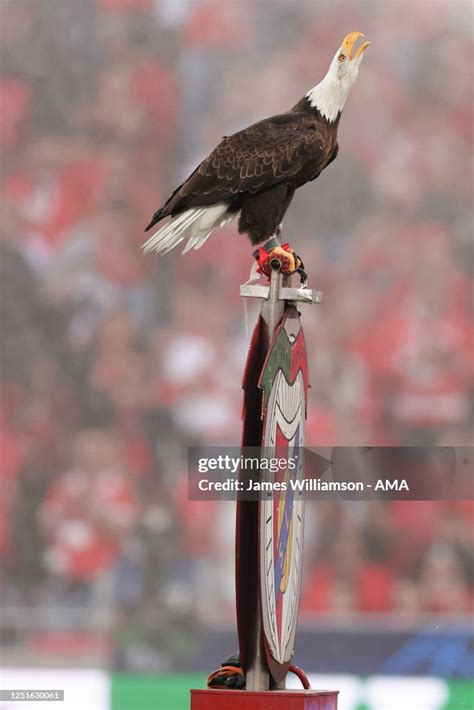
x,y
112,364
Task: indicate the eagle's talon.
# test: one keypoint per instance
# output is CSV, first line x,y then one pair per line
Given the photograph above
x,y
302,273
303,277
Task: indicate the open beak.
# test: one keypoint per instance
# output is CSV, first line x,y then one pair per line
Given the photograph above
x,y
349,42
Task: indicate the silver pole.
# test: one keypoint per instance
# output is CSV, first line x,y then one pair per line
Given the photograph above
x,y
272,308
258,676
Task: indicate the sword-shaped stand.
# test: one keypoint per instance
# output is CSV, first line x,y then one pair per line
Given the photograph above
x,y
269,531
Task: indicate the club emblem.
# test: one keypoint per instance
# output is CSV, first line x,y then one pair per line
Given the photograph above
x,y
281,515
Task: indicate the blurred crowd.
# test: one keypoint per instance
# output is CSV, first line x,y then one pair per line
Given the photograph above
x,y
113,363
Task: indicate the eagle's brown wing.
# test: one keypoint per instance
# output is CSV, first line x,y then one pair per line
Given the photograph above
x,y
262,155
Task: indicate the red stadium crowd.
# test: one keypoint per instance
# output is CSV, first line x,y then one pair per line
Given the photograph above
x,y
112,363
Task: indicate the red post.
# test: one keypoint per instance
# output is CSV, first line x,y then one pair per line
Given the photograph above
x,y
263,700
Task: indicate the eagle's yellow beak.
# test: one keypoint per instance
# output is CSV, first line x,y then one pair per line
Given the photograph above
x,y
349,42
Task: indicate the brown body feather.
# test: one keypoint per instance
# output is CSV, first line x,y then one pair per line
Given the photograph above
x,y
257,170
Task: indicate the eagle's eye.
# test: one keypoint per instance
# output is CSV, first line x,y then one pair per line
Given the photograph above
x,y
342,58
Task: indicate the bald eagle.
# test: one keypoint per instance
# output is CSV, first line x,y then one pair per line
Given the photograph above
x,y
253,174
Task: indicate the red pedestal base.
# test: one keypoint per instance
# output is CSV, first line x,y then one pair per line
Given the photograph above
x,y
269,700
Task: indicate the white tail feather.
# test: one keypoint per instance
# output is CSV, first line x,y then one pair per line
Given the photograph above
x,y
196,242
200,240
192,241
195,225
172,233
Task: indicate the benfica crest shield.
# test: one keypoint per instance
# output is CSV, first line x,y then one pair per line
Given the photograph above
x,y
284,382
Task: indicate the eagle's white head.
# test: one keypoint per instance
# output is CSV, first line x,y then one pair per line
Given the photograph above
x,y
329,96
